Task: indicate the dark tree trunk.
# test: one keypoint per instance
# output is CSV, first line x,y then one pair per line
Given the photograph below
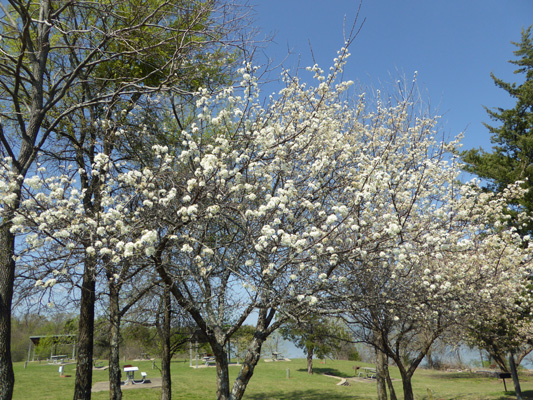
x,y
381,360
115,393
166,392
407,387
248,365
84,369
7,278
37,41
223,392
310,360
514,374
392,392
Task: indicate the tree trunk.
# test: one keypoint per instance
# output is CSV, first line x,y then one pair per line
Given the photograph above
x,y
430,360
84,369
392,392
458,355
221,358
7,278
249,363
115,393
166,393
407,387
384,371
40,49
381,359
514,374
310,360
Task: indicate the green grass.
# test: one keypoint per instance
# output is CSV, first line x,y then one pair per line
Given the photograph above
x,y
42,381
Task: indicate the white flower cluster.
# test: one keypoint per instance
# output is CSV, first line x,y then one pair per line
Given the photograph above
x,y
311,192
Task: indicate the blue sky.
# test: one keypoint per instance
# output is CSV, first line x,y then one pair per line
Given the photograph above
x,y
454,45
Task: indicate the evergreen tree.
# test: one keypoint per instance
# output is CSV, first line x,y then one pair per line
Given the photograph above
x,y
511,158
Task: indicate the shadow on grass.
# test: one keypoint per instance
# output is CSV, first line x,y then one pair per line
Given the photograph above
x,y
460,375
327,371
526,395
302,395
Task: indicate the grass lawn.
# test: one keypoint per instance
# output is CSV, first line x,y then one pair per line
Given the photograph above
x,y
42,381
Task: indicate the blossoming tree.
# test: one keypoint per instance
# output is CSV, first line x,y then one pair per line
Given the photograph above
x,y
60,60
423,252
311,202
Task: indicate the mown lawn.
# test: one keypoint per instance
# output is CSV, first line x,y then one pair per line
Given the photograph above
x,y
42,381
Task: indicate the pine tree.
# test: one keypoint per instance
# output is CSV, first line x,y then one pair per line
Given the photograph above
x,y
511,158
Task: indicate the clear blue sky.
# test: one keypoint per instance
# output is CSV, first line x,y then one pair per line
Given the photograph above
x,y
454,45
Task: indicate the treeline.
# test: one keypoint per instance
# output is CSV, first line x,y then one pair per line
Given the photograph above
x,y
141,341
136,341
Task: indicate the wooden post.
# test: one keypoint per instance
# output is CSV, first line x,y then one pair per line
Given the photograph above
x,y
29,351
196,354
190,354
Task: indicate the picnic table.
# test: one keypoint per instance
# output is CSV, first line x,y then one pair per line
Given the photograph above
x,y
59,359
130,373
368,373
208,360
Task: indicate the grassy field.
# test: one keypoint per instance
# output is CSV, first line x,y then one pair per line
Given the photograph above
x,y
42,381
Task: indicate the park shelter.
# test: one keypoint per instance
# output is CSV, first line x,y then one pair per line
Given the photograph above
x,y
54,341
